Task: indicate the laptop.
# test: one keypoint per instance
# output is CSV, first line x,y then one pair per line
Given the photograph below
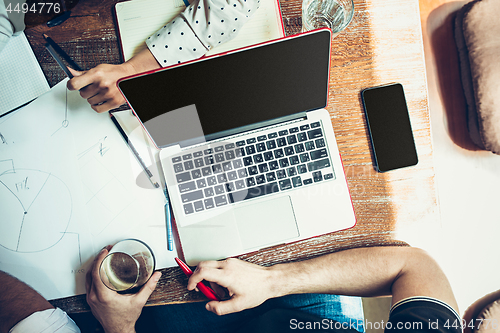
x,y
248,151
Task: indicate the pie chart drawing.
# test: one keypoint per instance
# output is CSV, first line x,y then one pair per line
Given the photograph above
x,y
35,210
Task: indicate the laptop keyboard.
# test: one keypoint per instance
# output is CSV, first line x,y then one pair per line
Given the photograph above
x,y
263,164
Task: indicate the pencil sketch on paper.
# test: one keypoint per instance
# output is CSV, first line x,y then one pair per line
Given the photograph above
x,y
65,122
33,219
106,197
101,146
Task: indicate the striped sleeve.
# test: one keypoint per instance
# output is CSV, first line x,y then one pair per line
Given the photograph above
x,y
423,314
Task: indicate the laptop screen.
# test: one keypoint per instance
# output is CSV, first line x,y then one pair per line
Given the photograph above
x,y
232,91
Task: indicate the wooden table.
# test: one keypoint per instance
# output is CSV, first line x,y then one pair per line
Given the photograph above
x,y
382,44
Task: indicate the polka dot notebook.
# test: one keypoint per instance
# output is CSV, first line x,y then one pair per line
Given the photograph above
x,y
139,19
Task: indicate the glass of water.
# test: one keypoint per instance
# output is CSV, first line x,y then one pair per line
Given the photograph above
x,y
333,14
128,266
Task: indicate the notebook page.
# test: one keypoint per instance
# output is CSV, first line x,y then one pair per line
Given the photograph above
x,y
21,78
139,19
263,26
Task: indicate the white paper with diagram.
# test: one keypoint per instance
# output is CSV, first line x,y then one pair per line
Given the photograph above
x,y
69,185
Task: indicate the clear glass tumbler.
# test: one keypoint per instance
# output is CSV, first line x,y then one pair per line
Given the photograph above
x,y
128,266
333,14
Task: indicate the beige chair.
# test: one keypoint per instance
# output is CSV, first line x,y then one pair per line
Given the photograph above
x,y
477,35
488,320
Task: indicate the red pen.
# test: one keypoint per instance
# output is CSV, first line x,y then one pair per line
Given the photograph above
x,y
201,287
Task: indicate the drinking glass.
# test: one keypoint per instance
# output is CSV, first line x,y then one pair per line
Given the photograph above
x,y
128,266
333,14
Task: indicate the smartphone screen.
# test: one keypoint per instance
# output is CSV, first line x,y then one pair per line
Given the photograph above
x,y
390,128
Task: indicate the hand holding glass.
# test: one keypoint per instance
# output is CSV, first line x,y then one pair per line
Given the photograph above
x,y
129,265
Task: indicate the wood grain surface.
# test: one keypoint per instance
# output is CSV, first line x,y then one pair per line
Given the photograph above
x,y
382,44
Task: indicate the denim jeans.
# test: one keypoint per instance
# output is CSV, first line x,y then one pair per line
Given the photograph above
x,y
193,317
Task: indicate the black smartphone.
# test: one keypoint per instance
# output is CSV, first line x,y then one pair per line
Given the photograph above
x,y
389,126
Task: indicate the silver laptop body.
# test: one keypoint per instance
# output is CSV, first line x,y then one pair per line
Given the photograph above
x,y
241,189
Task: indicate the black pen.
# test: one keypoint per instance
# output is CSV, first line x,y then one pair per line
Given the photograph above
x,y
59,61
134,151
58,50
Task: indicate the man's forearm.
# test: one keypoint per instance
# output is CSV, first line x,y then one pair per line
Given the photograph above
x,y
357,272
400,272
17,301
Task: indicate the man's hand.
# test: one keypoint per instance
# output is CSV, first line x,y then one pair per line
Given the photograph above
x,y
115,312
98,85
248,285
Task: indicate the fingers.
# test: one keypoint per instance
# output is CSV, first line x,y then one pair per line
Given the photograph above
x,y
75,73
89,91
88,276
213,271
95,278
79,80
98,86
148,288
88,280
101,103
221,292
102,98
92,278
212,264
224,307
206,272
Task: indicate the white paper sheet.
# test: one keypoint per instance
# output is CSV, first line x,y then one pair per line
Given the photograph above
x,y
70,186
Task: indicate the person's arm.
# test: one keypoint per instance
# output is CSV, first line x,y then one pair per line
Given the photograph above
x,y
116,312
17,302
205,24
202,26
398,271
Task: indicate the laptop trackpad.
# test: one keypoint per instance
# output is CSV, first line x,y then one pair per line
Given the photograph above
x,y
265,223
